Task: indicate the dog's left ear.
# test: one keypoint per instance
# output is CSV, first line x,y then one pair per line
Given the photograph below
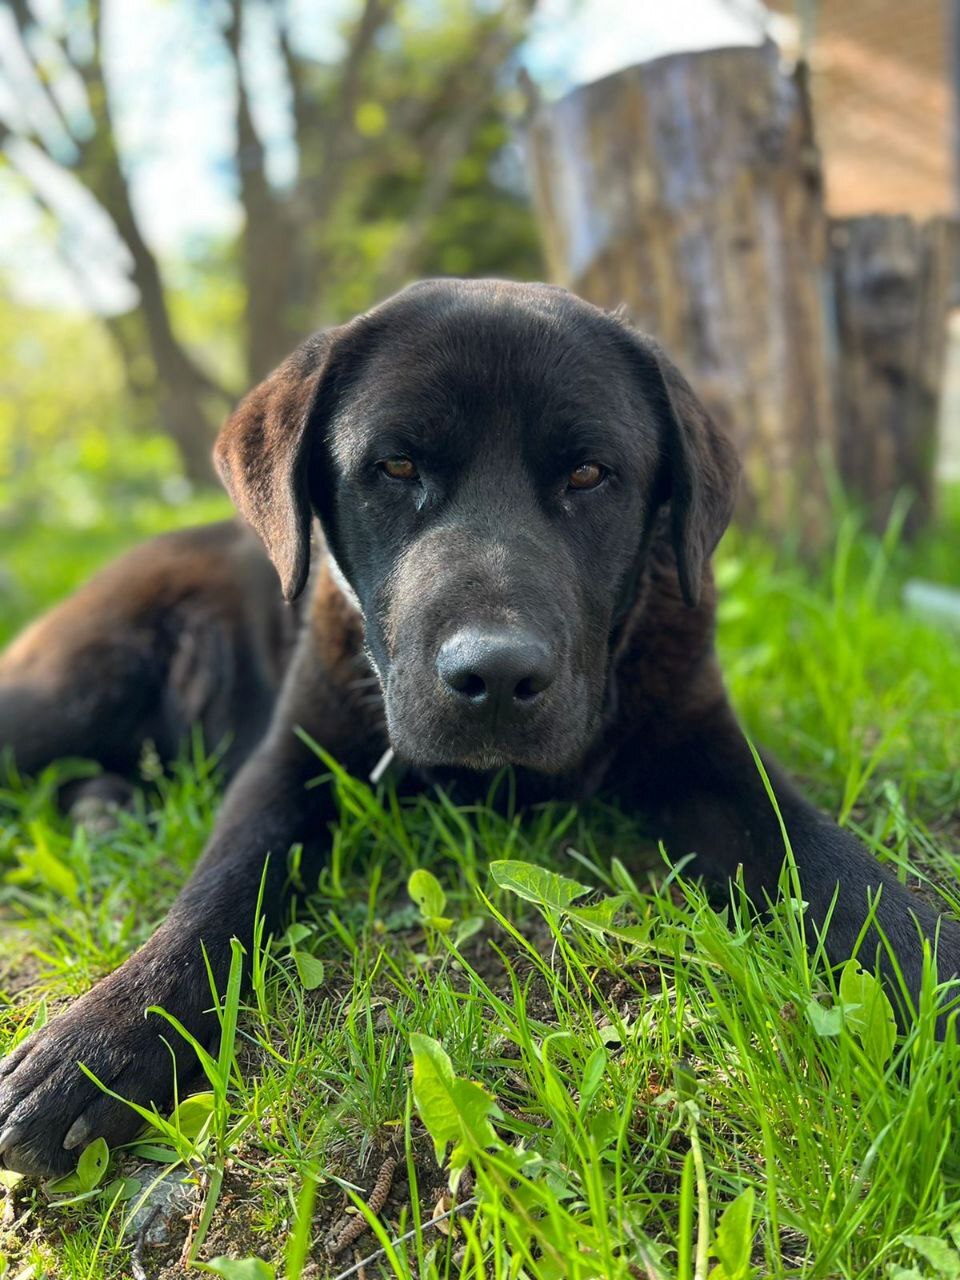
x,y
262,455
700,468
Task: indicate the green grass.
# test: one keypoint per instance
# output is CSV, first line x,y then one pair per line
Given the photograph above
x,y
643,1067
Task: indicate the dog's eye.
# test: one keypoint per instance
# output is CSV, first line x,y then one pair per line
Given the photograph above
x,y
587,476
398,468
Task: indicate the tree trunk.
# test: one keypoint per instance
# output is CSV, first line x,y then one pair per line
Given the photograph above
x,y
267,248
183,390
894,285
690,189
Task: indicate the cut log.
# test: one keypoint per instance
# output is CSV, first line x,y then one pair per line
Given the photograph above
x,y
689,188
895,284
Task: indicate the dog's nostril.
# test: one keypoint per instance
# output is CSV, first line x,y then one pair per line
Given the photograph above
x,y
528,688
469,684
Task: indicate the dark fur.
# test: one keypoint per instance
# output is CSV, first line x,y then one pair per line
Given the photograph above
x,y
498,391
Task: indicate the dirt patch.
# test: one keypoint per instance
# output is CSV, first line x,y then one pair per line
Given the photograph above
x,y
340,1233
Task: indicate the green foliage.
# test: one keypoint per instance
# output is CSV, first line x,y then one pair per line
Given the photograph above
x,y
425,889
942,1259
455,1111
556,894
82,476
832,676
863,1010
85,1182
91,1167
734,1240
867,1012
309,967
537,884
668,1087
71,445
419,80
38,864
238,1268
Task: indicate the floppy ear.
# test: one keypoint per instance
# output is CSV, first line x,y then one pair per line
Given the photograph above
x,y
262,453
700,467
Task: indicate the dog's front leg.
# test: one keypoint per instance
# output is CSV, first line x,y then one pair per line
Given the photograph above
x,y
708,797
48,1108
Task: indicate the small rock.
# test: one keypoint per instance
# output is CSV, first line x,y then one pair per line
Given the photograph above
x,y
168,1202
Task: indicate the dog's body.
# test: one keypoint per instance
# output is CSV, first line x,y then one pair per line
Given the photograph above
x,y
189,629
517,501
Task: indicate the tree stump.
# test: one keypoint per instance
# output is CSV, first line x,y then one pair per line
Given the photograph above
x,y
895,282
690,189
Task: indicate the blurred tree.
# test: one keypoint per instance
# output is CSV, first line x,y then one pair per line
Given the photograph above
x,y
396,144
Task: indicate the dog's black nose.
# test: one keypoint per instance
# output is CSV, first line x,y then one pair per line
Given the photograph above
x,y
502,672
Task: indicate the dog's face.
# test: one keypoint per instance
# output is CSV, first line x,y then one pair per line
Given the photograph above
x,y
486,460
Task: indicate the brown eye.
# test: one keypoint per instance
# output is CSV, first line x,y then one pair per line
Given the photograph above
x,y
398,468
587,476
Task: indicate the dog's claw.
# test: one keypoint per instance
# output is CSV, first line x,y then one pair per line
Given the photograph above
x,y
10,1137
78,1135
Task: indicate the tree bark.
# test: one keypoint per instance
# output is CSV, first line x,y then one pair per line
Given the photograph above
x,y
894,282
267,244
690,189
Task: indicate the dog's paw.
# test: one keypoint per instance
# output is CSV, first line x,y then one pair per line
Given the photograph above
x,y
96,803
50,1110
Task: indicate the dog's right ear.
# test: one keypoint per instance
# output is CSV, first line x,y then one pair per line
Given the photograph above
x,y
262,455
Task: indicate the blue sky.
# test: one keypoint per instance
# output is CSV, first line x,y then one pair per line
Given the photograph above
x,y
171,86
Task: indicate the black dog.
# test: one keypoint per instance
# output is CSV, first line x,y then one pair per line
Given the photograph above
x,y
518,498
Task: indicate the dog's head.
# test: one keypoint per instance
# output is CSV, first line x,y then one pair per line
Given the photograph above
x,y
486,460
